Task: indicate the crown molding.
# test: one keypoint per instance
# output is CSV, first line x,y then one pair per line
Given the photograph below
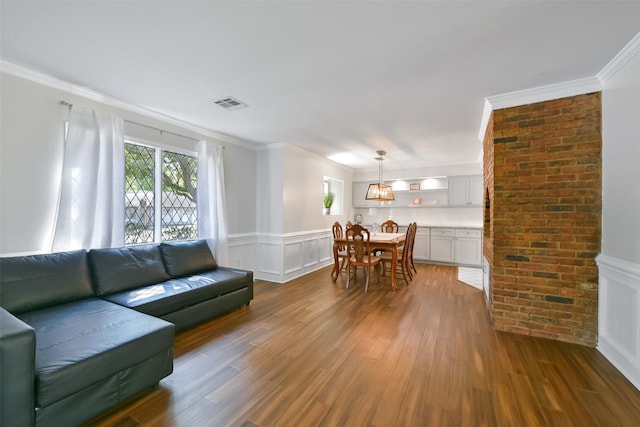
x,y
536,94
55,83
484,122
271,146
545,93
620,60
564,89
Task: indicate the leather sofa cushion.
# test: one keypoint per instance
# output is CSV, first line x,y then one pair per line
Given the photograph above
x,y
37,281
118,269
184,258
17,370
80,343
176,294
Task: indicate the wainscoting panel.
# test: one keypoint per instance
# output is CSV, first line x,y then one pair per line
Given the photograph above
x,y
280,258
269,253
619,315
242,251
325,246
293,256
310,252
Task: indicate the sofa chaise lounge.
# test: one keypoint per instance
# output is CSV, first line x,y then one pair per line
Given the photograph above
x,y
83,331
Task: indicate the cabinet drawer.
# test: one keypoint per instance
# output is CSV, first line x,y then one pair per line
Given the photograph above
x,y
442,232
474,234
422,231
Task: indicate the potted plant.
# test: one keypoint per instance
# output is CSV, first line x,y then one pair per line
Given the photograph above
x,y
328,202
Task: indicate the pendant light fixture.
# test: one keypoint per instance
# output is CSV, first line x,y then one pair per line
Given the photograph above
x,y
380,191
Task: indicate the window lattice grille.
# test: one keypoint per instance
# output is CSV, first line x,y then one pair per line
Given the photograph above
x,y
179,196
139,194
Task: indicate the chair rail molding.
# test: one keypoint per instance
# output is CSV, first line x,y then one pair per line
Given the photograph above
x,y
619,315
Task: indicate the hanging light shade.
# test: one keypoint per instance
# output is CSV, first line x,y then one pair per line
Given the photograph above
x,y
380,191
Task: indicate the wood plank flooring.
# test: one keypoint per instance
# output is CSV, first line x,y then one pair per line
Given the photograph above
x,y
310,353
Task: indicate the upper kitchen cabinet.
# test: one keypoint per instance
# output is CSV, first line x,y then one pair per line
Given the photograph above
x,y
465,190
415,192
421,192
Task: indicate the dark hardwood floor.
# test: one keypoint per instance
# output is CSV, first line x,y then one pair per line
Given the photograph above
x,y
310,353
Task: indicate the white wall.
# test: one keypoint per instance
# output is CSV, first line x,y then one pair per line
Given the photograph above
x,y
425,217
30,164
31,150
270,185
240,169
621,164
619,261
293,236
303,192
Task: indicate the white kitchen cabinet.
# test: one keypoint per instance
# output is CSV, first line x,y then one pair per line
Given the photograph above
x,y
442,244
468,247
421,244
465,190
476,190
421,192
420,198
414,193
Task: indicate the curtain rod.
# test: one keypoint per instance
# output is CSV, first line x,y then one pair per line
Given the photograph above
x,y
144,125
161,130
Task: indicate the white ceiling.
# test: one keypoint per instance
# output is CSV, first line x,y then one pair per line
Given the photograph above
x,y
328,76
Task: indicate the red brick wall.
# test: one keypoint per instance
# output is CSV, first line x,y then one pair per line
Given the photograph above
x,y
545,218
488,168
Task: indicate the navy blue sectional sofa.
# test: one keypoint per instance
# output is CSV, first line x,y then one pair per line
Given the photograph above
x,y
83,331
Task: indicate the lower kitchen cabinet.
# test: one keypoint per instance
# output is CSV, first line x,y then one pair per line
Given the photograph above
x,y
421,244
468,247
442,247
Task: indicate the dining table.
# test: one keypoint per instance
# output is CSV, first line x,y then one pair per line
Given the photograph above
x,y
384,241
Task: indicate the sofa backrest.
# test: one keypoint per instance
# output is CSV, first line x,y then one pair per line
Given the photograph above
x,y
38,281
184,258
118,269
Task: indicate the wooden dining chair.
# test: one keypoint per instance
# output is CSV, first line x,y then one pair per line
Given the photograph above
x,y
358,246
342,255
403,263
389,226
412,267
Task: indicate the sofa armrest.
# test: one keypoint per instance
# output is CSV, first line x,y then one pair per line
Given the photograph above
x,y
17,371
248,273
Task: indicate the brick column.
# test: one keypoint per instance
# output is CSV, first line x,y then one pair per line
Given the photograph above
x,y
544,225
489,181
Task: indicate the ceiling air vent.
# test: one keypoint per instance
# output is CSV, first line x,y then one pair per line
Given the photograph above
x,y
231,103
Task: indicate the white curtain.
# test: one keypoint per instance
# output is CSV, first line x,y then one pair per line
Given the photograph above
x,y
91,204
212,209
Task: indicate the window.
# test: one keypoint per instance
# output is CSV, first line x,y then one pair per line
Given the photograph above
x,y
160,194
335,188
